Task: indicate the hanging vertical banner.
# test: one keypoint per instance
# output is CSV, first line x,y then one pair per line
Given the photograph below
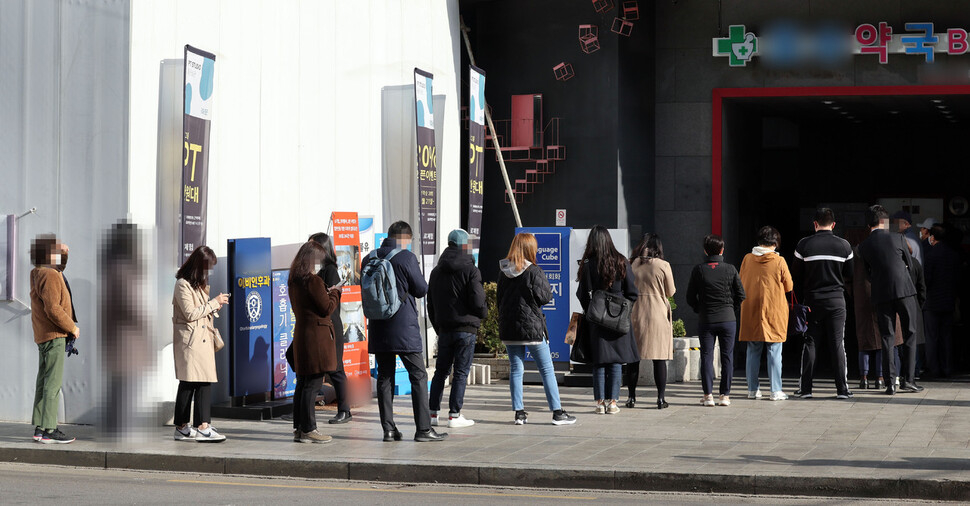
x,y
476,160
345,232
284,378
250,317
427,167
196,121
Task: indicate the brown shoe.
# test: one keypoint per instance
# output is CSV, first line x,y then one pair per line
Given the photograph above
x,y
313,436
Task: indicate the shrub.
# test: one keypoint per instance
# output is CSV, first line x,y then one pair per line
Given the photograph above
x,y
679,329
488,332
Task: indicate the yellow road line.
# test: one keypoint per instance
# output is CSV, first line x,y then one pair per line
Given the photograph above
x,y
352,489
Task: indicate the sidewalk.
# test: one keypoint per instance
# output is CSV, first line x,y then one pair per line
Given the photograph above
x,y
911,446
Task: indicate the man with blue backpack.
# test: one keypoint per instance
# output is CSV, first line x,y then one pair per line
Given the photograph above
x,y
391,279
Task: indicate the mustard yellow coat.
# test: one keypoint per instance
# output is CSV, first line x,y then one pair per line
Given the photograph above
x,y
764,313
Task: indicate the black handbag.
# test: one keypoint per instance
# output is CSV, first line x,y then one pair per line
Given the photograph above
x,y
797,317
609,310
580,351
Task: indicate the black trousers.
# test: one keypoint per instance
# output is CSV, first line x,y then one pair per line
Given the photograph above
x,y
417,374
338,378
886,312
201,392
304,402
726,334
826,324
939,342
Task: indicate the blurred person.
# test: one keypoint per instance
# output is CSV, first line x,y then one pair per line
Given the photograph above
x,y
456,306
314,338
823,269
902,223
194,345
942,274
522,291
53,321
652,319
924,233
888,263
338,378
715,293
604,268
764,311
400,335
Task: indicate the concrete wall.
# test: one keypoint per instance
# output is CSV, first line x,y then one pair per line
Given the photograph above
x,y
64,150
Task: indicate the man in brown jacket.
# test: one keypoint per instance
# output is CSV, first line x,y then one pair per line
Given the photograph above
x,y
52,316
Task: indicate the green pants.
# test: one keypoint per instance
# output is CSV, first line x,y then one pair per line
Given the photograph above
x,y
50,374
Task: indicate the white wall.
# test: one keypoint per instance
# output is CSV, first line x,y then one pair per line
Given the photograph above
x,y
296,129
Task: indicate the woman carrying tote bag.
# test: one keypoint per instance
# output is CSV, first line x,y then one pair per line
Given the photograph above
x,y
605,274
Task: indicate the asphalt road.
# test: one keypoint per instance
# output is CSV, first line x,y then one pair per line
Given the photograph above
x,y
34,484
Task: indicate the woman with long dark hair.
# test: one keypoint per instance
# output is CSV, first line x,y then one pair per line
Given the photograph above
x,y
338,377
604,268
194,345
314,339
652,318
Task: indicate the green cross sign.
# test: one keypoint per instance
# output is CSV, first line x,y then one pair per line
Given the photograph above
x,y
739,46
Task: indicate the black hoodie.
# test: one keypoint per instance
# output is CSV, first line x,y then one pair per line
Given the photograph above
x,y
456,297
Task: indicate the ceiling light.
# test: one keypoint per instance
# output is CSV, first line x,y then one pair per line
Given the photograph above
x,y
941,106
843,112
893,112
828,102
936,101
836,107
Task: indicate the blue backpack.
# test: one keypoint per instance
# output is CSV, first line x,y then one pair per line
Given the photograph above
x,y
378,287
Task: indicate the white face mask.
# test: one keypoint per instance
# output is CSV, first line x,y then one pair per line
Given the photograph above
x,y
317,267
57,259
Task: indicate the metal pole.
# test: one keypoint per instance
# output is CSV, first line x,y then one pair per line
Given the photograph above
x,y
491,127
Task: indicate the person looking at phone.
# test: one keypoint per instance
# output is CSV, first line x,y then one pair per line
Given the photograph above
x,y
338,378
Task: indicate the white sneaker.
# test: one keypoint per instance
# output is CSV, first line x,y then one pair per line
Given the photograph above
x,y
189,433
434,420
600,408
209,436
724,400
754,395
778,396
457,422
708,401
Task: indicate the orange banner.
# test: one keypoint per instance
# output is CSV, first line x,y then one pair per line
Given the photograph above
x,y
346,242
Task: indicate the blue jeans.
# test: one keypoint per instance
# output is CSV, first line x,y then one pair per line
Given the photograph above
x,y
540,353
753,365
454,348
606,381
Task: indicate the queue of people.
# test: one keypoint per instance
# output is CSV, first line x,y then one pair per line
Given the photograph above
x,y
627,318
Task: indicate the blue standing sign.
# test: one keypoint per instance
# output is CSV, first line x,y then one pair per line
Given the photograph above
x,y
250,314
552,256
284,378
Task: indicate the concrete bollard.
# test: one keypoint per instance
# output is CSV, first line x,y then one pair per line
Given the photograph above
x,y
680,371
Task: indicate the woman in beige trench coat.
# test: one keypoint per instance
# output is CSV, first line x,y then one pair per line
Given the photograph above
x,y
651,317
194,344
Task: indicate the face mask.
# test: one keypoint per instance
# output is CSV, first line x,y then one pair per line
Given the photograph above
x,y
57,259
317,267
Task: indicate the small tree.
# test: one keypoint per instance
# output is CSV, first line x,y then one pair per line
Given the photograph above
x,y
488,332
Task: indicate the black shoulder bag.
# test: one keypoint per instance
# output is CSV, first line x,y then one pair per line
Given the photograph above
x,y
608,310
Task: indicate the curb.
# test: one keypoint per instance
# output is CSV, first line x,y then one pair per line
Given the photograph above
x,y
493,475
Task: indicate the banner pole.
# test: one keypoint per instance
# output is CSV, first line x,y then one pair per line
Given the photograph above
x,y
491,128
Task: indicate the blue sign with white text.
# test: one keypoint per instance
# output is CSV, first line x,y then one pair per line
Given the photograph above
x,y
250,314
284,378
552,256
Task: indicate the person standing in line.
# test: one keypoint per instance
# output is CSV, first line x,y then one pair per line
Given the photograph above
x,y
924,234
314,338
456,306
194,346
400,336
53,321
338,377
604,268
824,268
942,274
715,293
902,222
652,319
522,291
764,312
888,262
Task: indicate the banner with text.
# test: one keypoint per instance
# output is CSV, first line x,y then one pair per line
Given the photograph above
x,y
552,256
284,378
196,121
427,167
345,233
251,340
476,145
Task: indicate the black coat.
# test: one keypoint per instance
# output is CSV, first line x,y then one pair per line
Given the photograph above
x,y
400,333
942,274
715,292
520,297
886,256
605,345
456,297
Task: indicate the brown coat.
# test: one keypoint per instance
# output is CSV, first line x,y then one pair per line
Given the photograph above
x,y
652,319
764,313
50,305
866,328
314,342
193,344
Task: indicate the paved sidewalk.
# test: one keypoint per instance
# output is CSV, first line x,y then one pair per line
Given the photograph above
x,y
908,446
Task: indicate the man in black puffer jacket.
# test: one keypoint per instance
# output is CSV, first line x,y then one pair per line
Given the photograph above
x,y
456,305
